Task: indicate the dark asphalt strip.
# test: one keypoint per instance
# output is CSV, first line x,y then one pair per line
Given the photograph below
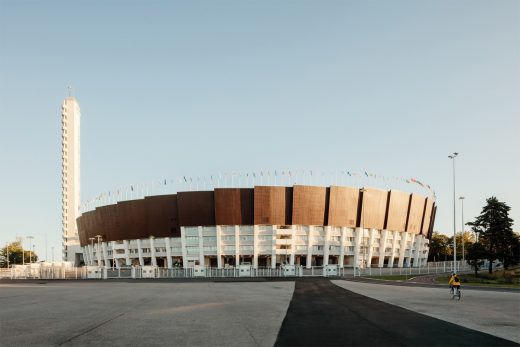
x,y
323,314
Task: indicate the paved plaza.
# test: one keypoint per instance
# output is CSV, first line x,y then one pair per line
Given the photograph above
x,y
308,311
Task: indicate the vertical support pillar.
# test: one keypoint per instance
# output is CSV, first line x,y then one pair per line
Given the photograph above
x,y
105,252
169,262
218,230
98,254
237,245
394,246
127,254
342,247
370,247
402,248
357,247
310,245
293,245
114,259
382,247
201,246
183,245
408,259
140,252
152,251
255,246
326,245
273,248
417,247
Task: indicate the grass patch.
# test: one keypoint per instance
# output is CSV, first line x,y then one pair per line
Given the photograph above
x,y
496,279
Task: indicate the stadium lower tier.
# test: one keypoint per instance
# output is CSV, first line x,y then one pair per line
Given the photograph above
x,y
265,246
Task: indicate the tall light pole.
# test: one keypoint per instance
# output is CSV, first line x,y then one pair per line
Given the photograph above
x,y
452,157
364,259
30,238
461,198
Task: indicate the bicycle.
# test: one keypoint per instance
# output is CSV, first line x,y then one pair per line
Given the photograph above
x,y
455,293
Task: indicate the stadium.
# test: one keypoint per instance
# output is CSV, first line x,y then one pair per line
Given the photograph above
x,y
263,226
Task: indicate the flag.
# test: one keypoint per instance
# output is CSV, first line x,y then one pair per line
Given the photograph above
x,y
185,180
132,188
348,172
366,174
164,182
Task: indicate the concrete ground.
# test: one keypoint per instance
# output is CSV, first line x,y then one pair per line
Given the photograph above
x,y
101,313
491,311
250,312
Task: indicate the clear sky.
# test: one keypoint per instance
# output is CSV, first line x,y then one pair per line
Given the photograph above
x,y
174,88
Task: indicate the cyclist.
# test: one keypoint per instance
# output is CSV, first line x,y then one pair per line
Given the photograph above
x,y
454,282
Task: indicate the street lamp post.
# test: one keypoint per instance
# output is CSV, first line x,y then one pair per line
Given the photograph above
x,y
452,157
362,224
461,198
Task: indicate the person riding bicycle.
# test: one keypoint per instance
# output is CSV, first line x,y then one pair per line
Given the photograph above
x,y
454,281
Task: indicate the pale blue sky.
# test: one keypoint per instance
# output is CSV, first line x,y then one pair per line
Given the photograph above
x,y
172,88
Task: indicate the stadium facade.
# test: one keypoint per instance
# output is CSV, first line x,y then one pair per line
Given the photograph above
x,y
264,226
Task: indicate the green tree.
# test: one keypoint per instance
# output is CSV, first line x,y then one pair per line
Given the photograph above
x,y
495,232
439,247
476,252
15,252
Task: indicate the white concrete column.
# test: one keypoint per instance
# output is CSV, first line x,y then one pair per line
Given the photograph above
x,y
237,245
105,252
417,247
342,246
408,259
128,262
394,246
293,245
98,254
201,246
357,247
402,248
152,251
140,252
382,247
114,259
273,248
370,246
85,255
310,245
183,245
255,246
326,246
167,243
218,230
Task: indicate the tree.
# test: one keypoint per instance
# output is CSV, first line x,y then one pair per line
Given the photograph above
x,y
15,252
475,253
495,232
439,247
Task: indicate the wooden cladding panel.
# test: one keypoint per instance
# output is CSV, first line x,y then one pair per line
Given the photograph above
x,y
309,205
416,214
196,208
374,208
161,216
397,210
343,206
272,205
132,220
427,216
234,206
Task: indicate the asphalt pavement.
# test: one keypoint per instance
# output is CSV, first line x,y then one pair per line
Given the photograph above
x,y
323,314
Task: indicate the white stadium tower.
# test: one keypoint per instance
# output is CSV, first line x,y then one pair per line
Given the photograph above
x,y
70,122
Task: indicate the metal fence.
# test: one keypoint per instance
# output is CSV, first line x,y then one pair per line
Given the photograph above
x,y
137,272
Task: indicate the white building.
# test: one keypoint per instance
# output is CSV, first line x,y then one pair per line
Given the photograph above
x,y
70,169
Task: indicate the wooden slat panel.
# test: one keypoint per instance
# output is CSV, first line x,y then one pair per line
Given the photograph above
x,y
416,214
272,205
397,210
161,216
196,208
234,206
427,216
131,216
374,208
309,205
343,206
